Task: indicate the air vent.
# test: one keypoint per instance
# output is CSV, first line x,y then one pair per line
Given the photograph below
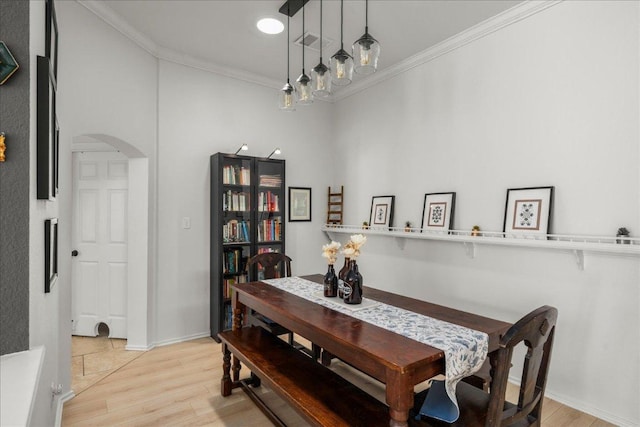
x,y
312,41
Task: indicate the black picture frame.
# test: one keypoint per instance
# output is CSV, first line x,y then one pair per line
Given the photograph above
x,y
50,253
381,215
8,64
528,212
47,132
438,212
299,204
51,37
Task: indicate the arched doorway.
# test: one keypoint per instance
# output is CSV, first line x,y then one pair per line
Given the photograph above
x,y
137,292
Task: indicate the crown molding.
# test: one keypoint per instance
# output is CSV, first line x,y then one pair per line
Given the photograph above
x,y
489,26
171,55
105,13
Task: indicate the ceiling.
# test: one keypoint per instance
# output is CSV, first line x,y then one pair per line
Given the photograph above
x,y
223,33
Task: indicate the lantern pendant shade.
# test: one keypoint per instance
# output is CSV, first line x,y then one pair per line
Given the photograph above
x,y
320,74
286,98
341,68
321,78
304,89
366,51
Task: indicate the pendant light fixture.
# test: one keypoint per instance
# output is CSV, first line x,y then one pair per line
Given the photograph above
x,y
320,74
303,84
341,61
366,50
285,96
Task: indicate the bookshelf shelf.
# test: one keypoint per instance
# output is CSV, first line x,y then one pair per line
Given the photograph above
x,y
578,245
244,211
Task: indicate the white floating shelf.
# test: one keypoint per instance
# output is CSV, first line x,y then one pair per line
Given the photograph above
x,y
577,244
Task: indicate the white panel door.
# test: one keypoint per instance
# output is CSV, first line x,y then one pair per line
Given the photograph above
x,y
99,235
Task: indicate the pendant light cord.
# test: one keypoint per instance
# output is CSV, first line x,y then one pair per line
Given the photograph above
x,y
341,24
366,16
303,39
320,31
288,25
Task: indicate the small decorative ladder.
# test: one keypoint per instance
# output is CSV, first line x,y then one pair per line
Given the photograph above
x,y
334,206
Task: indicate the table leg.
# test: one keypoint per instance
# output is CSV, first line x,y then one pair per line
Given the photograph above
x,y
225,383
399,396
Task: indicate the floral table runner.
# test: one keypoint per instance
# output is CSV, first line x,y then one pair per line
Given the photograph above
x,y
465,349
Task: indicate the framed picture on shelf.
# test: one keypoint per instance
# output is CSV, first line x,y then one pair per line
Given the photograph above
x,y
381,211
50,253
46,131
437,212
528,211
51,37
299,204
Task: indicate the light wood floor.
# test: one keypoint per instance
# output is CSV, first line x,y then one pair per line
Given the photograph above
x,y
179,385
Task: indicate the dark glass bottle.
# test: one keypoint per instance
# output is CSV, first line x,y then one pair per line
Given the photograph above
x,y
341,276
353,285
330,282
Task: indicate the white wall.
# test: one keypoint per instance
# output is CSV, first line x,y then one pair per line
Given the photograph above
x,y
550,100
43,308
201,113
107,85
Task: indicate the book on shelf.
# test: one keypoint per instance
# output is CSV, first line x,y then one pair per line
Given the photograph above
x,y
227,290
267,250
270,181
270,229
236,231
268,202
235,201
233,261
236,175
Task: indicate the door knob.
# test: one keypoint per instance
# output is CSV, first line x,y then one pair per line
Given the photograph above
x,y
74,252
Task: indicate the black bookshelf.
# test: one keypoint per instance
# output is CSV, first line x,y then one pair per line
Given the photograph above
x,y
247,218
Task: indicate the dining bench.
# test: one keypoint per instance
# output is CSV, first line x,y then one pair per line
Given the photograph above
x,y
318,394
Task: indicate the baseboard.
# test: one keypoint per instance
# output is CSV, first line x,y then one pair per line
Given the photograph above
x,y
61,401
582,407
139,347
183,339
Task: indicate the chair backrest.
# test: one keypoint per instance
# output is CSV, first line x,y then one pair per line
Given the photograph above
x,y
536,330
269,261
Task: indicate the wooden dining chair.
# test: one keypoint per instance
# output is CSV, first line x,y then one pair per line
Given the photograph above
x,y
275,265
489,409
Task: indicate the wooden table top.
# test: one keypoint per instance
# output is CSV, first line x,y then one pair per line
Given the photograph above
x,y
370,348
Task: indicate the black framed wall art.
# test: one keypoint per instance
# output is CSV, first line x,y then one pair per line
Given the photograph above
x,y
299,204
381,215
47,132
50,253
438,211
528,211
51,37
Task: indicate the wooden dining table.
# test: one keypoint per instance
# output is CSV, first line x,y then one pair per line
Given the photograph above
x,y
397,361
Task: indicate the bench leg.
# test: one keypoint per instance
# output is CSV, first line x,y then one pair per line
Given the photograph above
x,y
225,383
255,380
326,358
316,350
236,369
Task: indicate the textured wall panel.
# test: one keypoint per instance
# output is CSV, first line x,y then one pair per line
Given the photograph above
x,y
14,183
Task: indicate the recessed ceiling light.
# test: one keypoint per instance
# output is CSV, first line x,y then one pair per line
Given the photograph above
x,y
270,26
